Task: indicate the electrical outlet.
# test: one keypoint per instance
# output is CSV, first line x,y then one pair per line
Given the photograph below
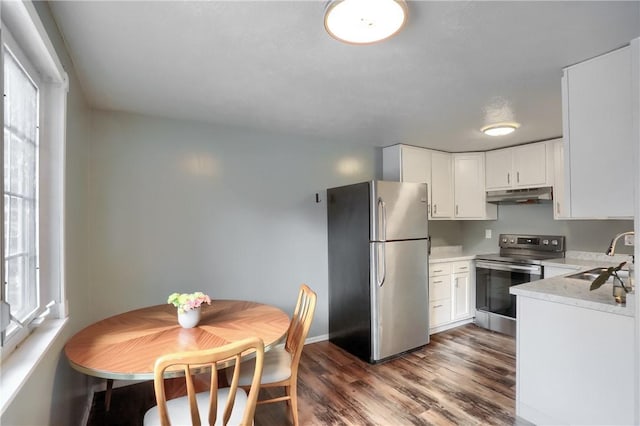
x,y
628,240
487,234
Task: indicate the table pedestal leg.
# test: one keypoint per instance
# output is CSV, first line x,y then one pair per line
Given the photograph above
x,y
107,395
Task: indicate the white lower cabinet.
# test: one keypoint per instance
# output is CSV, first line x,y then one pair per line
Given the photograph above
x,y
440,313
450,294
574,365
462,295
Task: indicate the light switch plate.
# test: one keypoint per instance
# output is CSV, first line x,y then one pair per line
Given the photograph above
x,y
487,234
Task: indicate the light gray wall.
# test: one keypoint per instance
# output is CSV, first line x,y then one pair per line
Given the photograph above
x,y
55,394
178,206
581,235
446,233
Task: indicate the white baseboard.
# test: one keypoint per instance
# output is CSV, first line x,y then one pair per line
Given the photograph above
x,y
450,325
316,339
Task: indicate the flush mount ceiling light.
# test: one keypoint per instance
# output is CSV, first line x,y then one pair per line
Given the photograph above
x,y
500,129
364,21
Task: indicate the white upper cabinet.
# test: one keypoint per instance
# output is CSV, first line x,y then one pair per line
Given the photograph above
x,y
441,185
519,167
405,163
470,197
499,169
598,137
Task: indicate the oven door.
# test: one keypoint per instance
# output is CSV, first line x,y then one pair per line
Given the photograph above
x,y
493,280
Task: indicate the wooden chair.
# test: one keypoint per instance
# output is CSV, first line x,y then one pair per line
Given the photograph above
x,y
281,363
225,406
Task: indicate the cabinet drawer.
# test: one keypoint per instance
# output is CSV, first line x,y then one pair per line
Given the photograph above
x,y
439,269
461,267
439,312
440,287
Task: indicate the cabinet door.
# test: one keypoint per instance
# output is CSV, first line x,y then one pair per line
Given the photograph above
x,y
530,165
461,296
498,166
441,185
440,287
439,312
597,119
560,204
416,165
469,189
440,268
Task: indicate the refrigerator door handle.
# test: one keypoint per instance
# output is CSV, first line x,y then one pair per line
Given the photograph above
x,y
382,209
382,266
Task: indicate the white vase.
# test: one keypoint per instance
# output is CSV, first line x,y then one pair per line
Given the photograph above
x,y
190,318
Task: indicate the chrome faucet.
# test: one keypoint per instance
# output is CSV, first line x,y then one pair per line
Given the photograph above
x,y
612,247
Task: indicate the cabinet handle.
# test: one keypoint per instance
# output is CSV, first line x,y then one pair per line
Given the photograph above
x,y
437,282
508,178
437,306
437,270
456,283
456,209
462,267
429,208
518,177
435,209
558,207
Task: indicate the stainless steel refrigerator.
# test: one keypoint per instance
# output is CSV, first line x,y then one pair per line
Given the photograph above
x,y
378,268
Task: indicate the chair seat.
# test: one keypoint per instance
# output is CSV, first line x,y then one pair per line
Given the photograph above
x,y
179,414
277,367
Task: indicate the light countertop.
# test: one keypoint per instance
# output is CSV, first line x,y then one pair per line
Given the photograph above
x,y
449,254
442,259
581,260
560,289
575,292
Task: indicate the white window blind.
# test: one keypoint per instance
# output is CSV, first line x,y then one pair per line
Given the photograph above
x,y
21,281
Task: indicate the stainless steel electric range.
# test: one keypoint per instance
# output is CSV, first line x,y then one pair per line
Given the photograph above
x,y
519,261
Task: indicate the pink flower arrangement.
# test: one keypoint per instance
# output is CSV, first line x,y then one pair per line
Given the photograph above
x,y
187,301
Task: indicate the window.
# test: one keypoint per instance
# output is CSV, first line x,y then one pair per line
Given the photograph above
x,y
33,117
21,97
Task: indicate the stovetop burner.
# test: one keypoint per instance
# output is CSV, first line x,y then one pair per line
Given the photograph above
x,y
527,249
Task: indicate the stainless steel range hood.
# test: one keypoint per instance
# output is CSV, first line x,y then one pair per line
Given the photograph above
x,y
521,196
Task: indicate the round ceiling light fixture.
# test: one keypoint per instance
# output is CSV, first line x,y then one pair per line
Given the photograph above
x,y
500,129
364,21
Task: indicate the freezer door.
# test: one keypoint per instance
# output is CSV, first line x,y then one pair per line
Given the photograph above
x,y
399,297
398,211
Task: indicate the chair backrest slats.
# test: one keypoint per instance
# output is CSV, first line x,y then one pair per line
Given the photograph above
x,y
210,358
300,322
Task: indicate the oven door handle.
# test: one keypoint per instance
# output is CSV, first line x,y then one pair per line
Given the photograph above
x,y
502,267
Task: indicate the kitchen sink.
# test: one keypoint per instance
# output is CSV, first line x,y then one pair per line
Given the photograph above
x,y
592,274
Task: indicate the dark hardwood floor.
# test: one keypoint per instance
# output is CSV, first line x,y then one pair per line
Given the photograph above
x,y
465,376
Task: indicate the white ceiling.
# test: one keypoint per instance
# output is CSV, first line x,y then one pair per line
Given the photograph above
x,y
269,65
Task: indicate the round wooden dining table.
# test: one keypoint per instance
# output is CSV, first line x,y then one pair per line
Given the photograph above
x,y
126,346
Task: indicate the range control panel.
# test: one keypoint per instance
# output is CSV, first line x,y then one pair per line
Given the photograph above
x,y
552,243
